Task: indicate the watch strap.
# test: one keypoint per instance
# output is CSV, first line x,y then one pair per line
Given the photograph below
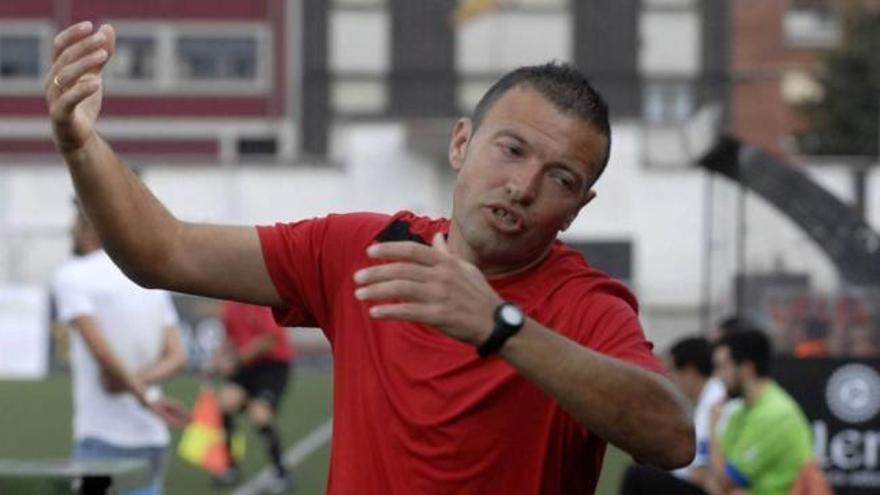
x,y
500,333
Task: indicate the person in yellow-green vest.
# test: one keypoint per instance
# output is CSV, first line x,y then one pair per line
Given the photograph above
x,y
765,440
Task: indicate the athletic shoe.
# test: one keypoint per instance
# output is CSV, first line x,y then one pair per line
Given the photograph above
x,y
229,477
280,483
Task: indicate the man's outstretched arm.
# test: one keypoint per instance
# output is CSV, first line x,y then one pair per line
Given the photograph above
x,y
150,245
637,410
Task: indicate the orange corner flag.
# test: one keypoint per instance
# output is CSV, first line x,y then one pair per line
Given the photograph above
x,y
203,442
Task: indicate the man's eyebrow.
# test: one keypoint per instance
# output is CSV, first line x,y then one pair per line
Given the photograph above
x,y
509,133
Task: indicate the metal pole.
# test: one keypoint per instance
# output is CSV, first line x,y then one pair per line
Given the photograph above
x,y
708,245
741,233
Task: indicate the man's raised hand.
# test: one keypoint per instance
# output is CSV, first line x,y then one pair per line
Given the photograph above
x,y
73,84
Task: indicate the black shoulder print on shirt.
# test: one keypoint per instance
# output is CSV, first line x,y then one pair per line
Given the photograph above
x,y
398,230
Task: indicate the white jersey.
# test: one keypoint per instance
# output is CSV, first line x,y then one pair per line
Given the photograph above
x,y
713,392
132,320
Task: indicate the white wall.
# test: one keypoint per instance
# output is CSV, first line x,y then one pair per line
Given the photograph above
x,y
377,175
659,211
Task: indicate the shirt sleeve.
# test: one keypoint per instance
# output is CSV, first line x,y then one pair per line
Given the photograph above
x,y
293,253
266,323
714,393
613,328
71,297
308,261
736,476
759,447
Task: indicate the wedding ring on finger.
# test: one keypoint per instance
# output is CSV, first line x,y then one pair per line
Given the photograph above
x,y
57,83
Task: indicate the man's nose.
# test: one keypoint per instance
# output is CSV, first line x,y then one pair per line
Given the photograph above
x,y
524,183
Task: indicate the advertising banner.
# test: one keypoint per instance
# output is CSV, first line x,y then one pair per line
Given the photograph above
x,y
841,398
24,332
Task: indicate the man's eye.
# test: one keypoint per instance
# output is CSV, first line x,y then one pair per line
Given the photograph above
x,y
512,150
563,180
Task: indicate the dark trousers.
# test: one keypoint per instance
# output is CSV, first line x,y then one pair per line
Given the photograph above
x,y
648,480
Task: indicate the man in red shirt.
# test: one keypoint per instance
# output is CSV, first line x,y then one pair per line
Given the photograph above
x,y
471,355
255,360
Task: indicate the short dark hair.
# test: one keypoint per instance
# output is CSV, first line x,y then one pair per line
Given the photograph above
x,y
731,324
692,351
566,87
751,346
735,324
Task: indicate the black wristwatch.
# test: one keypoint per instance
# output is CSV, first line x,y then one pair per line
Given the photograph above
x,y
509,319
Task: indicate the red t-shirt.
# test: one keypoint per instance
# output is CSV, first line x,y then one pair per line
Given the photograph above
x,y
245,322
416,412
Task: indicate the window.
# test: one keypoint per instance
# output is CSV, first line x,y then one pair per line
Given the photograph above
x,y
614,257
667,101
489,45
360,42
20,56
359,96
669,43
359,53
264,147
667,105
135,58
212,58
495,43
191,57
811,23
24,55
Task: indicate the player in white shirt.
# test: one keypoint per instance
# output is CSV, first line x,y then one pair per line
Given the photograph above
x,y
707,391
125,341
690,369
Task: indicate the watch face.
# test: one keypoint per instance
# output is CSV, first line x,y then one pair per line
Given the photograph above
x,y
511,315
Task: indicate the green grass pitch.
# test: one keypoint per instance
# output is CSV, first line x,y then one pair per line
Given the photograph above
x,y
35,422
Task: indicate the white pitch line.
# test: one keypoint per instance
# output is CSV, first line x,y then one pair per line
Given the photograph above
x,y
293,456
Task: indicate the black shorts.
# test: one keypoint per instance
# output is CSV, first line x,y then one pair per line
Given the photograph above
x,y
265,381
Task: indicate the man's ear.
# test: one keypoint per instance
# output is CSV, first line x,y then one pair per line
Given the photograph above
x,y
750,369
458,144
589,196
